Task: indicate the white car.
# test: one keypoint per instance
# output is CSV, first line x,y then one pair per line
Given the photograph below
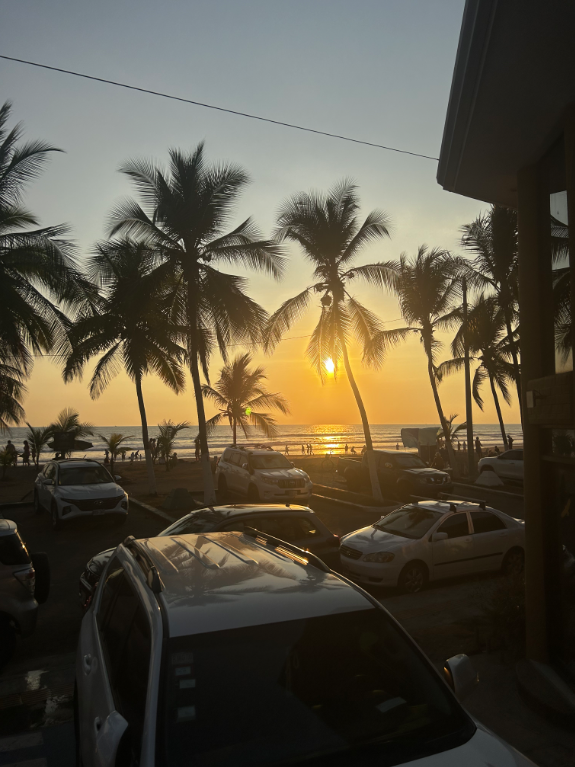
x,y
431,540
78,488
235,649
507,465
261,474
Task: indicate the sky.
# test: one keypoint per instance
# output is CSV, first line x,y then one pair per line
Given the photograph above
x,y
376,70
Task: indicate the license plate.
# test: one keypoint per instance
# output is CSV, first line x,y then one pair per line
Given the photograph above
x,y
292,492
98,512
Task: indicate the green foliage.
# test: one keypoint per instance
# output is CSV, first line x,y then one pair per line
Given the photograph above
x,y
239,393
167,437
38,437
68,421
114,445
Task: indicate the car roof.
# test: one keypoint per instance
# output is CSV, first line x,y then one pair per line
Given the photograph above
x,y
254,450
7,527
446,506
235,509
76,462
219,581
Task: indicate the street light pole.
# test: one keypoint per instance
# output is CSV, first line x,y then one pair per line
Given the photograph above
x,y
468,411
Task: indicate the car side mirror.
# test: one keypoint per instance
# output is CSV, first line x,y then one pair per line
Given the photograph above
x,y
439,537
109,737
48,481
117,476
245,466
460,675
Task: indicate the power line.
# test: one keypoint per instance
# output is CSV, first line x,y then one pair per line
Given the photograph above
x,y
219,109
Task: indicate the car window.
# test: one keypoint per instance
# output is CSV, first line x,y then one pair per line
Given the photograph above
x,y
409,522
486,522
196,522
50,471
126,642
512,455
270,461
226,455
84,475
234,459
304,528
407,461
455,526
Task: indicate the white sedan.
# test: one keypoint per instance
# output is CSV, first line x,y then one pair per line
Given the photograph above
x,y
507,465
431,540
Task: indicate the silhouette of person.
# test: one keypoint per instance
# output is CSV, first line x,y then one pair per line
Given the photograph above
x,y
510,441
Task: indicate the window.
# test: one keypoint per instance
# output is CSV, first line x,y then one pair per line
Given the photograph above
x,y
197,522
511,455
270,461
304,528
486,522
304,690
409,522
455,526
226,455
235,459
84,475
126,641
407,461
50,471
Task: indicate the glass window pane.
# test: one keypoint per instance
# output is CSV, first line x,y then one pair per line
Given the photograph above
x,y
455,526
486,522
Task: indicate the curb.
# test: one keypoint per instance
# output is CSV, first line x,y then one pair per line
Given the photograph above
x,y
153,510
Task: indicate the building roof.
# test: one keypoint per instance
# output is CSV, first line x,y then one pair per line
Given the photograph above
x,y
512,82
219,581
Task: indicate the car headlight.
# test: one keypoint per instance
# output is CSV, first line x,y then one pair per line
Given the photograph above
x,y
422,480
379,556
270,481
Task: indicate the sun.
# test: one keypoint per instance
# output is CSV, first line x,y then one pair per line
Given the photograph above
x,y
329,365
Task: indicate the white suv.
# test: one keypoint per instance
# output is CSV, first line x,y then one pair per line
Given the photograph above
x,y
78,488
262,474
233,649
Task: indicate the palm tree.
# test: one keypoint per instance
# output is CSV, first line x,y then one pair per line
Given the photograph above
x,y
68,422
38,437
114,443
453,428
492,239
128,327
426,286
328,230
184,217
39,277
237,394
490,347
167,437
12,390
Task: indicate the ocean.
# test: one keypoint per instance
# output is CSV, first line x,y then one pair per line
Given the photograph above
x,y
325,438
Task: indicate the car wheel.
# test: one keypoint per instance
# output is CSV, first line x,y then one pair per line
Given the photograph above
x,y
56,521
38,508
7,641
42,568
514,562
253,494
413,578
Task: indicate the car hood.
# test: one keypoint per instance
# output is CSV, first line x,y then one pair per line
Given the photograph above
x,y
282,473
483,750
426,472
371,539
105,490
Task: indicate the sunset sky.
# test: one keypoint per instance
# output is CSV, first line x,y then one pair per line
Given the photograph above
x,y
378,70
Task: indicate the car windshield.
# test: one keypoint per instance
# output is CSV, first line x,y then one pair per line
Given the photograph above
x,y
409,522
271,461
408,461
196,522
84,475
304,690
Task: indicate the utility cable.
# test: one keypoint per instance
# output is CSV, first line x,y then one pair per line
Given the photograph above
x,y
217,108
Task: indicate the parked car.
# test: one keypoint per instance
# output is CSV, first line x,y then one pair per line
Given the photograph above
x,y
233,649
24,583
507,465
400,474
431,540
261,474
295,524
78,488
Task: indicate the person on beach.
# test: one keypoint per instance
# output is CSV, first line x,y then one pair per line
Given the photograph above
x,y
510,441
11,450
346,447
26,454
303,450
397,445
478,448
464,445
352,450
363,449
287,450
33,454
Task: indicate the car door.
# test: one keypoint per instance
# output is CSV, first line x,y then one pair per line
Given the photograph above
x,y
454,555
47,489
243,473
114,660
490,540
386,472
506,464
231,472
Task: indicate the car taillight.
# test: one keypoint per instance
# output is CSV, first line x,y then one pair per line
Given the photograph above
x,y
336,539
27,578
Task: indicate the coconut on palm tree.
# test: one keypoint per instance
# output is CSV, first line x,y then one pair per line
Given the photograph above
x,y
490,347
239,394
493,241
39,276
168,431
38,437
129,327
184,217
114,445
328,230
426,286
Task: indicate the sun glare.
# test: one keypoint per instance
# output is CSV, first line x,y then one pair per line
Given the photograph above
x,y
329,365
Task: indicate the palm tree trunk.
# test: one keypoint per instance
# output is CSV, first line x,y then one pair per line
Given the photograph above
x,y
442,419
515,360
498,408
147,451
209,490
235,430
370,455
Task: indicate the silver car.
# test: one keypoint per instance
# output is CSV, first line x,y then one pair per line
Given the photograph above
x,y
507,465
233,649
431,540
